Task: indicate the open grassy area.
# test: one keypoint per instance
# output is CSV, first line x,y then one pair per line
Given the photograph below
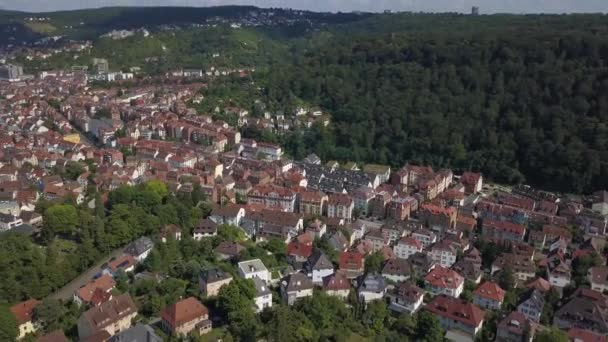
x,y
40,27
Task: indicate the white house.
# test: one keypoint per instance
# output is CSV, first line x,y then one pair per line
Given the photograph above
x,y
406,297
319,267
407,246
254,268
140,248
263,298
443,253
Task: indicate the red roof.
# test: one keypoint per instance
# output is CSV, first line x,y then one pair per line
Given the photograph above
x,y
580,335
351,261
335,282
408,240
184,311
105,282
490,290
456,309
444,277
24,311
299,249
505,226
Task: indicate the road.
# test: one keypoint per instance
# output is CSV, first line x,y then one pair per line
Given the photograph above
x,y
67,292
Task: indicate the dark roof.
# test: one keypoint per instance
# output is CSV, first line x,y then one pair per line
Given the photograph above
x,y
137,333
214,275
296,282
372,282
139,246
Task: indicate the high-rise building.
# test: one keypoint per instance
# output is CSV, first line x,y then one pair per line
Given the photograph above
x,y
10,72
475,10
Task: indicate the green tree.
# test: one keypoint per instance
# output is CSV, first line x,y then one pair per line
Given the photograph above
x,y
428,329
60,219
8,324
373,263
50,314
551,335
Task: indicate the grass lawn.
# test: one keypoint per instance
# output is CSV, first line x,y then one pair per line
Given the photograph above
x,y
214,335
40,27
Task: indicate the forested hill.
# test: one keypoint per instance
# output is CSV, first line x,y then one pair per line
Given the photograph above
x,y
518,98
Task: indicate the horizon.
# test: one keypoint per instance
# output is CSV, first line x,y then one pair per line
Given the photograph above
x,y
334,6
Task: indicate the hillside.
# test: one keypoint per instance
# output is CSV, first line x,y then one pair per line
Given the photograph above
x,y
518,98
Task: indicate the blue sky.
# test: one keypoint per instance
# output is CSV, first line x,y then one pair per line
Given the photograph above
x,y
486,6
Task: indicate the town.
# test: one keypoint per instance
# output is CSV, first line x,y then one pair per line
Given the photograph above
x,y
482,260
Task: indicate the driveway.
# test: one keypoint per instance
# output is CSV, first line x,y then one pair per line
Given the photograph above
x,y
67,292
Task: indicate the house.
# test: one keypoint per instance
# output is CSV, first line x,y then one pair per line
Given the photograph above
x,y
438,218
294,287
371,287
523,267
351,263
139,332
84,294
125,263
273,196
531,304
319,267
312,202
231,214
337,285
457,314
515,327
443,280
254,269
425,236
317,227
585,309
140,248
362,198
443,253
598,278
407,246
340,205
211,281
560,275
263,296
170,231
539,284
298,253
421,263
185,316
339,242
397,270
581,335
489,296
204,229
503,230
472,181
405,297
24,315
228,250
470,270
59,336
112,317
376,240
8,222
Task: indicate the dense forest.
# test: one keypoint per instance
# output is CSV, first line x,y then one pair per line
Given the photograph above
x,y
521,103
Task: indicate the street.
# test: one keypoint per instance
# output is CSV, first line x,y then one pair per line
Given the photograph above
x,y
67,292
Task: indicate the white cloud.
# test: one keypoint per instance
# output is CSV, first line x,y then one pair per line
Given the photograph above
x,y
487,6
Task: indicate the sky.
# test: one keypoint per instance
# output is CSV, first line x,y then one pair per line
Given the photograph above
x,y
486,6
